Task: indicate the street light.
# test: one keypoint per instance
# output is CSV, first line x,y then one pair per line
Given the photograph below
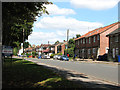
x,y
67,39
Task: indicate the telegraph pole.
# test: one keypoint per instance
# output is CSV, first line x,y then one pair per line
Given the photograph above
x,y
67,39
23,43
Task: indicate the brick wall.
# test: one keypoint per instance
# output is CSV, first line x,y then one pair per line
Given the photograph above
x,y
104,41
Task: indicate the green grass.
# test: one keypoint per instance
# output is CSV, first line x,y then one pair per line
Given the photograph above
x,y
18,73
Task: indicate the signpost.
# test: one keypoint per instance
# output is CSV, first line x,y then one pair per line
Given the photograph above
x,y
7,51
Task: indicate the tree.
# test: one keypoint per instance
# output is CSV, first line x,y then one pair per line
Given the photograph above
x,y
71,46
19,15
26,44
78,35
71,43
57,42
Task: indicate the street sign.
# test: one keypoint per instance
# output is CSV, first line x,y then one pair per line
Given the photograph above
x,y
7,50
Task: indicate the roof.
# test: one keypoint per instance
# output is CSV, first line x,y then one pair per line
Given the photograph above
x,y
45,45
47,50
97,31
114,32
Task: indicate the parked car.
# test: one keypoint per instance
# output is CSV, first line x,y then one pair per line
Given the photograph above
x,y
59,57
55,57
64,57
45,57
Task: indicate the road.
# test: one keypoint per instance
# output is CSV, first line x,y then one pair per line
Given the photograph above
x,y
100,71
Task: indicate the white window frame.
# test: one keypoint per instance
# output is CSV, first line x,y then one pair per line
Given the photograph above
x,y
94,50
88,51
89,40
81,41
116,51
83,50
98,37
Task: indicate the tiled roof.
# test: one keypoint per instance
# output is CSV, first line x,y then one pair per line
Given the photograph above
x,y
47,50
114,32
97,31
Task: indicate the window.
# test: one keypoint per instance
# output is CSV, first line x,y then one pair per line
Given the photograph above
x,y
81,41
88,51
94,38
89,39
83,50
98,37
94,50
116,38
116,51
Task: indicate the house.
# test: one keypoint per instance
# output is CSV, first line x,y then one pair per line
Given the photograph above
x,y
114,44
94,43
60,47
30,49
44,49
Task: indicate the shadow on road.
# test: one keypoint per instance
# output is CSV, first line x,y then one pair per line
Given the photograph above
x,y
82,79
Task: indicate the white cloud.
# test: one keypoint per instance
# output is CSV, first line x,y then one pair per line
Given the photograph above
x,y
94,4
55,10
63,23
38,38
59,26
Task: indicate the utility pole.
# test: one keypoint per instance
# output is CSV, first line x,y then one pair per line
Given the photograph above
x,y
23,43
67,39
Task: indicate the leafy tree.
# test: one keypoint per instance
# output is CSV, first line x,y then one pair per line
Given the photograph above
x,y
19,15
78,35
26,44
57,42
71,46
71,43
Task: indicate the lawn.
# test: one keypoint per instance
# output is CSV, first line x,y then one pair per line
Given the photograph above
x,y
18,73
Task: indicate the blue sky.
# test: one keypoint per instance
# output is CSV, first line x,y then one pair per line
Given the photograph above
x,y
79,17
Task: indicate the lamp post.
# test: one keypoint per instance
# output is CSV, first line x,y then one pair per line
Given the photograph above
x,y
67,39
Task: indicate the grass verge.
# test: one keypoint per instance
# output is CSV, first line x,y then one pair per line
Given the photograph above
x,y
18,73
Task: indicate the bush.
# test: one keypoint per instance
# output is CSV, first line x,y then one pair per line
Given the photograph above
x,y
15,51
51,56
28,54
59,54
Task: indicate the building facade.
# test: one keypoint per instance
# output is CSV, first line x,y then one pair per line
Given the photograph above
x,y
94,43
114,45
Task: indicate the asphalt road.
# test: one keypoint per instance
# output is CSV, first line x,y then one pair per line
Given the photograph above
x,y
102,71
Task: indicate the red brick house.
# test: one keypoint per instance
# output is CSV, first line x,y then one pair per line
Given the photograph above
x,y
114,44
60,47
94,43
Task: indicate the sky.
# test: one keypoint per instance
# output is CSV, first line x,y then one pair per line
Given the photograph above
x,y
79,16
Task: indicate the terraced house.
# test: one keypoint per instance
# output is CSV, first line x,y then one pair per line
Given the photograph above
x,y
114,44
95,42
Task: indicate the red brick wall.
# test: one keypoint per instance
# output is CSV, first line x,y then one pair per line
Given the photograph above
x,y
104,41
63,48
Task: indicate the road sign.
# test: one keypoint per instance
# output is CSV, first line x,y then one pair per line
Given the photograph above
x,y
7,50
